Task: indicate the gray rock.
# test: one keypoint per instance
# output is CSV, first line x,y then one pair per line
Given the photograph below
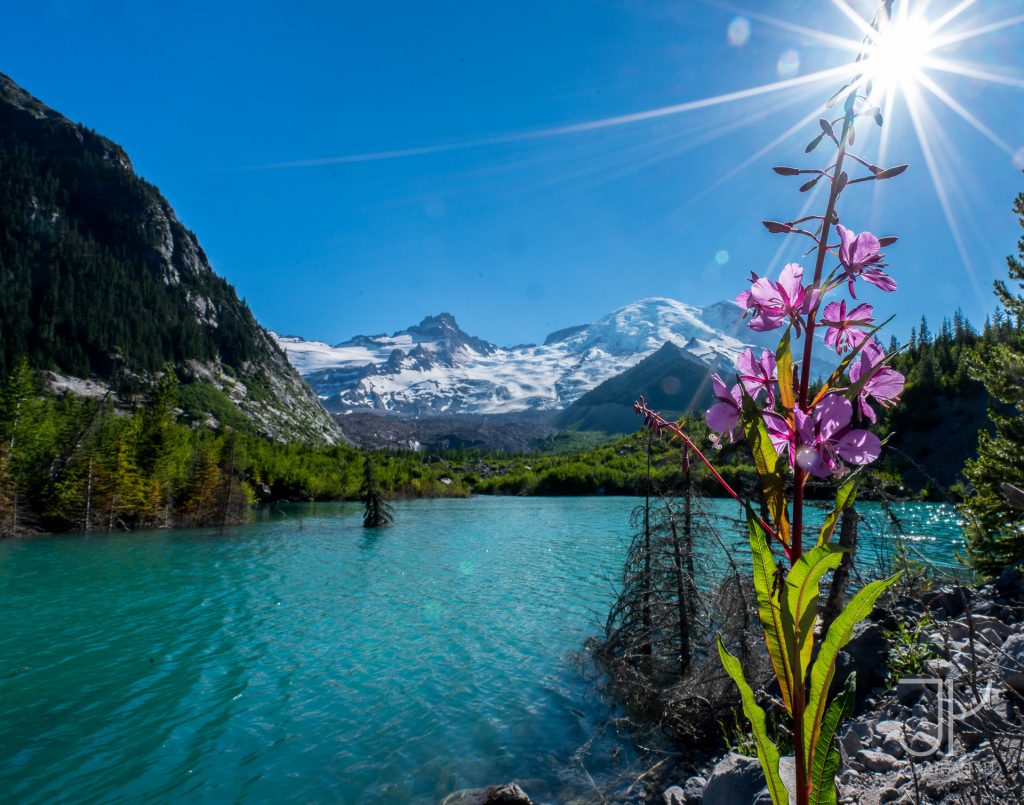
x,y
893,745
675,796
938,668
850,744
1010,582
983,622
735,779
862,728
874,760
921,742
510,794
885,727
694,790
787,771
909,693
949,601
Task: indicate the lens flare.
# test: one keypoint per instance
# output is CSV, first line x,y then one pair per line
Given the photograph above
x,y
738,32
788,64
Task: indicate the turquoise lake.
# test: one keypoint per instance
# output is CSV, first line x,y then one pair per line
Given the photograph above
x,y
303,658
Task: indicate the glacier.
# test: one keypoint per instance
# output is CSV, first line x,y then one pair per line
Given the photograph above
x,y
434,368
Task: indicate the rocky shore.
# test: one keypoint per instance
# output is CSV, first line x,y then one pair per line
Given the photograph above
x,y
954,732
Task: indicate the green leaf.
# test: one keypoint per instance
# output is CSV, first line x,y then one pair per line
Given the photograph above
x,y
768,609
767,752
839,634
784,364
845,496
825,764
800,605
769,468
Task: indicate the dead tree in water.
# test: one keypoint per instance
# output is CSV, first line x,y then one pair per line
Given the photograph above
x,y
649,626
657,647
376,512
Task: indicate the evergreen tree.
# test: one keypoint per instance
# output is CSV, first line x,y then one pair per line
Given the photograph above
x,y
376,511
995,529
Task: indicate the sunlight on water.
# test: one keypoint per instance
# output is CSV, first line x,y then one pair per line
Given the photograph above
x,y
304,658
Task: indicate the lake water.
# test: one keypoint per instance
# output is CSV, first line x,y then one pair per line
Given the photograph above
x,y
304,658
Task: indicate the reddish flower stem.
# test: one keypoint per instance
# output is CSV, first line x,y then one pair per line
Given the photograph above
x,y
657,423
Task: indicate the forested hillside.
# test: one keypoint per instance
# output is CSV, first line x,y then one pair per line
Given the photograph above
x,y
944,407
74,463
99,279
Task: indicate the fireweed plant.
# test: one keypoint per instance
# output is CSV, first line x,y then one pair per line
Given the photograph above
x,y
797,428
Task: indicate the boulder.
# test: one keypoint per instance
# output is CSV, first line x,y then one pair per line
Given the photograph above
x,y
873,760
509,794
1010,583
694,790
949,601
675,796
735,780
866,654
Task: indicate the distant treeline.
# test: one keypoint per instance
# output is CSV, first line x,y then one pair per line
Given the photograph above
x,y
70,463
936,425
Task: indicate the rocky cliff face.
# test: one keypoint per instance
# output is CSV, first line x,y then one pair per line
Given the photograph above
x,y
100,281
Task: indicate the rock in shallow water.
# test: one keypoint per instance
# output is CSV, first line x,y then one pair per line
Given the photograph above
x,y
510,794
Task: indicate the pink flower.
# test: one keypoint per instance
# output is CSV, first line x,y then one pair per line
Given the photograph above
x,y
757,375
824,439
859,255
774,302
884,384
844,328
724,416
780,433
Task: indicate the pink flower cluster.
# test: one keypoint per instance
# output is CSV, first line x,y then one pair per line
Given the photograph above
x,y
820,438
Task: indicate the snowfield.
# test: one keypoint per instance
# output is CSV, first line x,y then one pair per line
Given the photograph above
x,y
436,368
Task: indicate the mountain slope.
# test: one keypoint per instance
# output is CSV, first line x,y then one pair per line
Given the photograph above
x,y
435,368
672,380
100,281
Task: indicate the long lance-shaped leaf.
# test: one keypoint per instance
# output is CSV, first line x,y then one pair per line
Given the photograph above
x,y
768,466
800,604
845,496
825,763
768,609
767,752
839,634
784,367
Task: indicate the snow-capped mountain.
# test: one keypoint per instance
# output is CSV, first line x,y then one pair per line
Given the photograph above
x,y
436,368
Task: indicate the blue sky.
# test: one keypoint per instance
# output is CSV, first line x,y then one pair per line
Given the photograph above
x,y
525,232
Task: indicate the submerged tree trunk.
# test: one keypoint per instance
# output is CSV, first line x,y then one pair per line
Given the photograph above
x,y
648,636
375,512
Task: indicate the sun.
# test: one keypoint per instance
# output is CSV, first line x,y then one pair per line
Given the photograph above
x,y
897,53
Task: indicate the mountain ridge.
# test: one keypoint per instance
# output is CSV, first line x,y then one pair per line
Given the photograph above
x,y
435,368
